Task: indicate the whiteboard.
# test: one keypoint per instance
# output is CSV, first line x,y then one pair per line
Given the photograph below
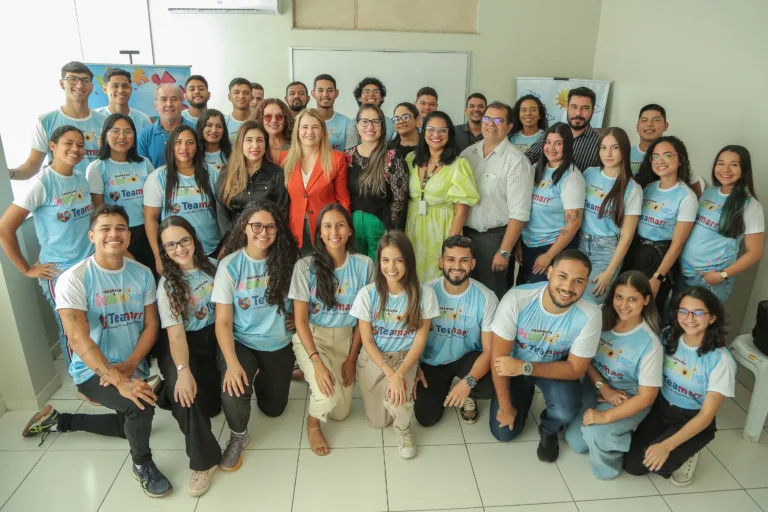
x,y
403,73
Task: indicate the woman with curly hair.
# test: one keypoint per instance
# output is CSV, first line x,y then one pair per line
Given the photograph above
x,y
698,374
529,122
187,355
277,118
254,321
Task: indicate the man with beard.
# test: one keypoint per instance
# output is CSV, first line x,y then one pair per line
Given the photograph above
x,y
197,94
544,334
151,140
581,106
297,96
257,96
459,340
342,132
471,131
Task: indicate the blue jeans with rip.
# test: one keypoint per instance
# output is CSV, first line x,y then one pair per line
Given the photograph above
x,y
599,250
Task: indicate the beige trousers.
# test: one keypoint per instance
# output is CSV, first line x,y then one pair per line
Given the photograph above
x,y
333,346
373,385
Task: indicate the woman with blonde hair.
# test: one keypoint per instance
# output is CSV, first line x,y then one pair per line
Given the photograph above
x,y
315,176
275,116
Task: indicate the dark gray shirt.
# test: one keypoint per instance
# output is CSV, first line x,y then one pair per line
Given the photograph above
x,y
464,137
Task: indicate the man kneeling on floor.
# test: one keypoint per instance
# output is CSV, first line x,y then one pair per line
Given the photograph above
x,y
459,340
107,306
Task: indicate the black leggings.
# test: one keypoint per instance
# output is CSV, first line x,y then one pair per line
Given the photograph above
x,y
646,256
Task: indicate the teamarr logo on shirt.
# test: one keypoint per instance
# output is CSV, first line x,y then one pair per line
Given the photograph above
x,y
64,216
114,196
175,208
201,313
244,302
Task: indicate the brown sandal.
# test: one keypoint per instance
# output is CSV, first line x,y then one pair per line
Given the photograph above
x,y
315,447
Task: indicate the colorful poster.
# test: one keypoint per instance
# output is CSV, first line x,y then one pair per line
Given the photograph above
x,y
553,92
145,79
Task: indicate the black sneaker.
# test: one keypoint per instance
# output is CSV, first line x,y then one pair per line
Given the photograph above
x,y
549,447
43,422
152,481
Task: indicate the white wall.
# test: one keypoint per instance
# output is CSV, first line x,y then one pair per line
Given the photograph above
x,y
517,38
704,61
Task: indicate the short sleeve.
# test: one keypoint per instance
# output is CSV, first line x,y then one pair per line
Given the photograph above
x,y
299,289
148,164
34,197
223,286
93,175
153,196
634,203
150,289
754,222
651,366
723,377
585,344
463,189
351,139
361,307
142,142
164,307
429,306
688,207
39,138
70,293
505,319
574,191
491,304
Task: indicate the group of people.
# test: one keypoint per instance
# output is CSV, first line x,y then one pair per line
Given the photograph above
x,y
381,254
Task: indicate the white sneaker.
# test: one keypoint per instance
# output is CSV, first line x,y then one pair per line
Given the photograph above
x,y
405,445
684,476
201,481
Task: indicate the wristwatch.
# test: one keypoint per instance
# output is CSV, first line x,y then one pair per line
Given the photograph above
x,y
470,380
724,275
181,367
527,368
505,254
599,385
661,277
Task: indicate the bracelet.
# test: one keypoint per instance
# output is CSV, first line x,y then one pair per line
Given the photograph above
x,y
13,173
313,353
382,363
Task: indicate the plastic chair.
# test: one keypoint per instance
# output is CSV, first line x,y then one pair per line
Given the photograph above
x,y
745,352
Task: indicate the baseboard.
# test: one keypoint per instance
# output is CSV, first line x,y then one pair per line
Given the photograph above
x,y
22,405
48,390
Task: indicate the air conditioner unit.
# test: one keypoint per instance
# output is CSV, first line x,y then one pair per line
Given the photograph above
x,y
224,6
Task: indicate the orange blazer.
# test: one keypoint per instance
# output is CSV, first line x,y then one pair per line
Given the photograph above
x,y
319,193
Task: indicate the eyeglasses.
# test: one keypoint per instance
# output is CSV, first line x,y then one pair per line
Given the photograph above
x,y
667,157
116,132
371,91
184,242
278,117
72,80
498,121
698,313
440,131
402,119
258,227
367,122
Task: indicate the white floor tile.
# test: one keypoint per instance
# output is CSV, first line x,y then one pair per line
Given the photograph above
x,y
545,507
459,510
85,441
710,476
283,432
730,416
743,396
447,431
725,501
745,461
166,434
126,494
480,432
347,480
265,481
646,504
760,496
299,389
12,423
584,486
57,483
438,477
511,474
14,467
352,432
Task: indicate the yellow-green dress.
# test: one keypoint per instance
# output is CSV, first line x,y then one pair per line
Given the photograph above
x,y
452,184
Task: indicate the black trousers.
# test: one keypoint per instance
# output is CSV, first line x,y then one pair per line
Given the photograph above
x,y
646,256
664,421
141,249
271,384
428,407
525,275
128,421
195,422
486,246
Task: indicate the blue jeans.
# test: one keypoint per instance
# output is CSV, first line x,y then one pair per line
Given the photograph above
x,y
600,250
722,291
48,286
606,443
562,397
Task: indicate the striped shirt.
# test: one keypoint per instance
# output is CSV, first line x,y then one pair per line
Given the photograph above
x,y
505,181
585,148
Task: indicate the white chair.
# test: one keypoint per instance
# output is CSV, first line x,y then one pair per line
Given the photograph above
x,y
745,352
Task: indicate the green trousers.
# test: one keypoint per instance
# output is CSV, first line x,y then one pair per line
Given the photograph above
x,y
368,231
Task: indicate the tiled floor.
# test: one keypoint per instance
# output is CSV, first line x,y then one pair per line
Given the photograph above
x,y
458,467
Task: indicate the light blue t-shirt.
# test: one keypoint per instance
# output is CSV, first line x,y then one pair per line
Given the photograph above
x,y
215,160
663,208
688,377
524,142
342,133
720,251
636,158
457,330
390,330
114,302
121,183
545,337
201,311
242,282
550,201
356,272
631,359
599,185
140,119
91,127
188,202
191,120
61,207
232,126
